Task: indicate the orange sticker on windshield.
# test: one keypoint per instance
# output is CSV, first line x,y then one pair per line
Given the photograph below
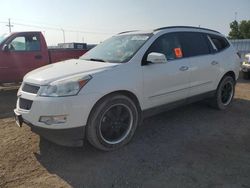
x,y
178,53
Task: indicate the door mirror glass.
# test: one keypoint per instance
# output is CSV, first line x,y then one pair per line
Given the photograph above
x,y
156,58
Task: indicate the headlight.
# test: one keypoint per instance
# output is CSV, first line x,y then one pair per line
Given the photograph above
x,y
65,87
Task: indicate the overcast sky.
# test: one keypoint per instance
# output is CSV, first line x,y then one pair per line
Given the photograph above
x,y
93,21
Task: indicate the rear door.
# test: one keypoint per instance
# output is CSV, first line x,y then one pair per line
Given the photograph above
x,y
204,67
23,55
166,82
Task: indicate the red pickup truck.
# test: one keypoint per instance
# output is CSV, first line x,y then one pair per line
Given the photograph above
x,y
25,51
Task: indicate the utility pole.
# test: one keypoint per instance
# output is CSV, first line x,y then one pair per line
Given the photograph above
x,y
9,26
63,35
236,16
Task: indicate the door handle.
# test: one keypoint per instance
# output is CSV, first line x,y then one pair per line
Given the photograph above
x,y
38,57
183,68
214,63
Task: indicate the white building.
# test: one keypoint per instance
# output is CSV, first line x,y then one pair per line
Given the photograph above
x,y
242,46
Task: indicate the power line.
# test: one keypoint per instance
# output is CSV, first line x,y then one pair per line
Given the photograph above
x,y
36,26
55,28
60,29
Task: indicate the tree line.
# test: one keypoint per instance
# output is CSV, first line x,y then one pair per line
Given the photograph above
x,y
239,30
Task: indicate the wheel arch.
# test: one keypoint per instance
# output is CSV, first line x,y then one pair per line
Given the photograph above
x,y
229,73
126,93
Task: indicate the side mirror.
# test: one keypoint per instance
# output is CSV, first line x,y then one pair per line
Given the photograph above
x,y
5,48
156,58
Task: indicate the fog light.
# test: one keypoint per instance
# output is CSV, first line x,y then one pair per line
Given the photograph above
x,y
49,120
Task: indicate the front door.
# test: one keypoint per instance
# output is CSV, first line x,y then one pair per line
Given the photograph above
x,y
167,82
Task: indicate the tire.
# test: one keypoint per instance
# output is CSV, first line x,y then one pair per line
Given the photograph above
x,y
224,93
112,122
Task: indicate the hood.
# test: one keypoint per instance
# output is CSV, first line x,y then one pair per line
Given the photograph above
x,y
56,71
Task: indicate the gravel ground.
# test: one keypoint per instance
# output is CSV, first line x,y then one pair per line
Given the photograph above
x,y
192,146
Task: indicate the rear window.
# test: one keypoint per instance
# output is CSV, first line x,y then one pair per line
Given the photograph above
x,y
219,42
193,44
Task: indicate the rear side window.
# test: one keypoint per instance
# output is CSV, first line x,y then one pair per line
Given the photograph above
x,y
219,42
194,44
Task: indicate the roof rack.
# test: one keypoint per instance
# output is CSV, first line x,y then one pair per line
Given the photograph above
x,y
191,27
127,32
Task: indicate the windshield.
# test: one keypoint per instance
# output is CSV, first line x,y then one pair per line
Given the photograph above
x,y
3,37
117,49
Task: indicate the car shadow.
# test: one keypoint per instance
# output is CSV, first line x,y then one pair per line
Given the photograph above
x,y
190,146
242,80
7,103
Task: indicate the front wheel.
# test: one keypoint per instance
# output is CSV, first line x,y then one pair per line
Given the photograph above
x,y
224,93
112,122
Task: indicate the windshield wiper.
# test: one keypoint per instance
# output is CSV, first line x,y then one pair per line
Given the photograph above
x,y
96,59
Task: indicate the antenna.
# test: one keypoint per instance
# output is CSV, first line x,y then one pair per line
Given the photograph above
x,y
9,26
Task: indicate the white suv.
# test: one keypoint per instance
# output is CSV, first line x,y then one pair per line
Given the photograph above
x,y
104,95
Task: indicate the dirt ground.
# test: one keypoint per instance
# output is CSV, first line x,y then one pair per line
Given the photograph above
x,y
192,146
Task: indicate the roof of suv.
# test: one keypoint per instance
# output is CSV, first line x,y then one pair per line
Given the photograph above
x,y
170,27
185,27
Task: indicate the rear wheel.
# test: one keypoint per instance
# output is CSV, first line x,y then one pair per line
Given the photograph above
x,y
224,93
112,122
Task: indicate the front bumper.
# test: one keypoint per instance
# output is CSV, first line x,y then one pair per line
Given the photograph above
x,y
69,133
76,108
245,67
65,137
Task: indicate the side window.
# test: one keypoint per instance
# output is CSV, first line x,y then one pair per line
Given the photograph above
x,y
194,44
25,43
168,45
32,43
219,42
17,44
